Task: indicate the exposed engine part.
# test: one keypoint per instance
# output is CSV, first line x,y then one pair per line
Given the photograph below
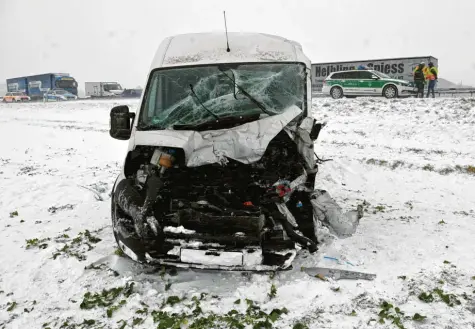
x,y
234,205
303,241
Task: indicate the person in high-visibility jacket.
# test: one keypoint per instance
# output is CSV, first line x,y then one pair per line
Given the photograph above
x,y
432,76
425,70
420,79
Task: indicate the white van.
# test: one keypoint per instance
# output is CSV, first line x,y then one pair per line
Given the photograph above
x,y
220,167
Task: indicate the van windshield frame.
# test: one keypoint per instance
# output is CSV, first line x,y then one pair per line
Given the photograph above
x,y
277,85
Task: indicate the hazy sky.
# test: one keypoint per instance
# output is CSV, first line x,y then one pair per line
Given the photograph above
x,y
99,40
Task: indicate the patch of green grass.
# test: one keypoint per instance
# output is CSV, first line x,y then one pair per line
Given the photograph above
x,y
119,252
353,313
397,164
273,292
379,208
426,297
419,318
78,246
11,306
107,298
254,317
402,277
396,316
428,167
172,300
449,299
442,222
299,325
13,214
37,243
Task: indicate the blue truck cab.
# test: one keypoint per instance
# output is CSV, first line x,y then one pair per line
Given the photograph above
x,y
36,86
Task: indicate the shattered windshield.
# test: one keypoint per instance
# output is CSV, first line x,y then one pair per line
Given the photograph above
x,y
193,95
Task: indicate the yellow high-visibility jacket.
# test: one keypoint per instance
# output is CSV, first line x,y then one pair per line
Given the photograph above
x,y
425,70
430,75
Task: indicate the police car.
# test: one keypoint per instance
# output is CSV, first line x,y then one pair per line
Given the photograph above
x,y
355,83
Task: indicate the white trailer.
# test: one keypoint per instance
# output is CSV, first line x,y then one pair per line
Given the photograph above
x,y
103,89
397,68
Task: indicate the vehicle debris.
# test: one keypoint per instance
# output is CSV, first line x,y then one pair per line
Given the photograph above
x,y
337,274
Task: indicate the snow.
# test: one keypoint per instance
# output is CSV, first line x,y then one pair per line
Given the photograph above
x,y
177,230
406,161
206,48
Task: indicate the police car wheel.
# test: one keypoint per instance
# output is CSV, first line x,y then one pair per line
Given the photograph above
x,y
390,92
336,92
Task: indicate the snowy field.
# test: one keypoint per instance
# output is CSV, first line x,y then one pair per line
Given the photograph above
x,y
411,163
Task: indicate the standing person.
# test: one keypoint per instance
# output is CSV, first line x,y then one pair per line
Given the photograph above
x,y
432,76
419,80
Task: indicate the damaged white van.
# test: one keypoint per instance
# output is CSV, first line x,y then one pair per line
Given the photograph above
x,y
220,169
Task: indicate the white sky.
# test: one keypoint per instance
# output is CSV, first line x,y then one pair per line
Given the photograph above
x,y
100,40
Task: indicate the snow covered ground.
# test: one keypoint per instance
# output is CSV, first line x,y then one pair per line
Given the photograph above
x,y
411,163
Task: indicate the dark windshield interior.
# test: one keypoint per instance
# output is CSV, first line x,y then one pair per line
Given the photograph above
x,y
112,86
66,84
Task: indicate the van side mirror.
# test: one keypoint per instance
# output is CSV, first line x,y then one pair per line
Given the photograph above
x,y
120,122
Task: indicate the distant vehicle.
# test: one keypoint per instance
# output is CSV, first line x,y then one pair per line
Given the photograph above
x,y
16,97
58,95
397,68
355,83
36,86
103,89
132,93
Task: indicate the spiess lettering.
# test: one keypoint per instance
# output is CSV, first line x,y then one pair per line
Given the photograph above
x,y
323,71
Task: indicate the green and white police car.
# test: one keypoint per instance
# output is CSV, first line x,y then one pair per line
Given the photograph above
x,y
355,83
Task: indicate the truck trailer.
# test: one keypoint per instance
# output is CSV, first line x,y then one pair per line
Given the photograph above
x,y
103,89
396,68
36,86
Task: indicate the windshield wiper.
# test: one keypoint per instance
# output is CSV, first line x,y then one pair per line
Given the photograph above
x,y
245,93
199,101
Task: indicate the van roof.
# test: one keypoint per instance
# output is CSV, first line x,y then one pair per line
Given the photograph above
x,y
209,48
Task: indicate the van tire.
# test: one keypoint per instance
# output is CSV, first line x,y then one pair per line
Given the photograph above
x,y
336,92
390,91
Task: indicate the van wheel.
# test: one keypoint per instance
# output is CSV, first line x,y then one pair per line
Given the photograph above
x,y
336,92
390,91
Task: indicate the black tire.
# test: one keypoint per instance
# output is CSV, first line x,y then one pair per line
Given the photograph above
x,y
390,92
130,240
350,96
336,92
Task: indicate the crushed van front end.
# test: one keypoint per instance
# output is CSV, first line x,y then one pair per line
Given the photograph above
x,y
231,214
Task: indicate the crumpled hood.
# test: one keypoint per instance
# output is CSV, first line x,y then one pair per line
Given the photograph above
x,y
246,143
